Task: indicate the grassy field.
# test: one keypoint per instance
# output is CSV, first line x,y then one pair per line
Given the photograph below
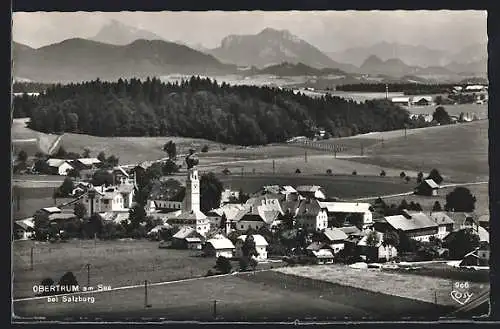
x,y
459,152
423,288
479,191
339,186
29,140
442,270
32,199
480,110
263,296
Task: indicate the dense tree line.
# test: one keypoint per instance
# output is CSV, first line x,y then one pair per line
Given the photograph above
x,y
202,108
30,87
406,88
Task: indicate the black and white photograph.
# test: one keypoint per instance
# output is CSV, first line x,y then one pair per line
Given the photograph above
x,y
250,166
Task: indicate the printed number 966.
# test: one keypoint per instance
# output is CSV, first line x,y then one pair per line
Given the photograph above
x,y
462,285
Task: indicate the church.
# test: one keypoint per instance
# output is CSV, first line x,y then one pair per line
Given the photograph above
x,y
191,214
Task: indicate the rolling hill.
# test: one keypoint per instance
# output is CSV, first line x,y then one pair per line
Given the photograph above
x,y
80,59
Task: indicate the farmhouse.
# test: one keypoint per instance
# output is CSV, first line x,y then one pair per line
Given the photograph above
x,y
114,198
218,246
416,225
86,163
269,202
311,191
421,100
334,238
311,215
345,210
255,217
121,176
444,222
24,228
260,246
381,251
463,220
59,166
187,238
478,257
320,254
229,211
427,188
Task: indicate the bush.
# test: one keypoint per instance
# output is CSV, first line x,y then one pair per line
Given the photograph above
x,y
382,173
354,173
402,174
204,149
328,171
297,171
68,279
407,179
226,171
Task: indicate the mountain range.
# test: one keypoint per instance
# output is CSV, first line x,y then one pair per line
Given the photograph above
x,y
118,50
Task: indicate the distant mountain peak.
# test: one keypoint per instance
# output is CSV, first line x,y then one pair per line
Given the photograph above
x,y
118,33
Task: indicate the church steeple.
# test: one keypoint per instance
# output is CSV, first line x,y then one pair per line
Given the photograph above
x,y
192,198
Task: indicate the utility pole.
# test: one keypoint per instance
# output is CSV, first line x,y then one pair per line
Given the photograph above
x,y
146,305
88,275
215,309
274,167
242,171
386,91
31,258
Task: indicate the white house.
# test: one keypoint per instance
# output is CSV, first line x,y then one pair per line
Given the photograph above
x,y
444,222
260,245
416,225
345,208
87,163
25,228
335,238
59,166
228,195
106,199
219,246
311,215
312,191
382,250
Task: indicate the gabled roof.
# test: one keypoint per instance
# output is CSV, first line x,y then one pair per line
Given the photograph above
x,y
184,232
291,206
89,161
441,218
432,184
51,210
484,236
259,239
335,234
288,189
121,170
309,207
417,221
221,242
57,162
345,207
61,216
26,224
191,215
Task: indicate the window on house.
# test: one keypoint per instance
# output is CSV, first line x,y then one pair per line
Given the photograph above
x,y
105,201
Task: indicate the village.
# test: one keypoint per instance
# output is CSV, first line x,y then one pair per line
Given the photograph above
x,y
290,224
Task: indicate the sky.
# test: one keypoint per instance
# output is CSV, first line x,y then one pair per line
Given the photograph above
x,y
330,31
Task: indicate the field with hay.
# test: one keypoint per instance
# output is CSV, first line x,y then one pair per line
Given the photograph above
x,y
459,152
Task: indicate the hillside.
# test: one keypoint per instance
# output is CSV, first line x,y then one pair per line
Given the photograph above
x,y
201,108
299,69
80,59
271,47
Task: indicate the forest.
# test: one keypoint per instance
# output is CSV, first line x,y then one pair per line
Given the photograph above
x,y
201,108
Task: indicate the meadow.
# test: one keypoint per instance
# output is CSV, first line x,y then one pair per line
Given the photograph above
x,y
335,186
32,199
260,296
459,152
481,110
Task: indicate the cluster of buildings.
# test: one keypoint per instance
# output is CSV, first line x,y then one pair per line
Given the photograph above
x,y
63,166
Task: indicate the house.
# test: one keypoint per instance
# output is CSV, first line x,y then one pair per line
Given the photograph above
x,y
229,211
229,196
260,246
62,217
381,251
154,233
335,239
121,176
290,193
312,191
24,228
187,238
255,217
218,246
113,198
478,257
427,188
444,222
86,163
269,201
421,100
59,166
405,101
415,225
51,210
463,220
349,212
320,254
475,89
311,215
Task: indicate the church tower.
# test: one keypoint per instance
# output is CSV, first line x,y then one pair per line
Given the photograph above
x,y
192,198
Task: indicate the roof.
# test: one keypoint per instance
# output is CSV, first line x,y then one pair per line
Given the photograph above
x,y
288,189
184,232
60,216
400,99
52,210
475,87
89,161
263,199
345,207
230,210
460,218
158,228
483,234
145,164
335,234
191,215
418,221
309,207
291,206
308,188
125,188
441,218
259,239
121,170
351,230
56,162
27,224
194,239
322,253
416,99
315,246
268,216
221,242
431,183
